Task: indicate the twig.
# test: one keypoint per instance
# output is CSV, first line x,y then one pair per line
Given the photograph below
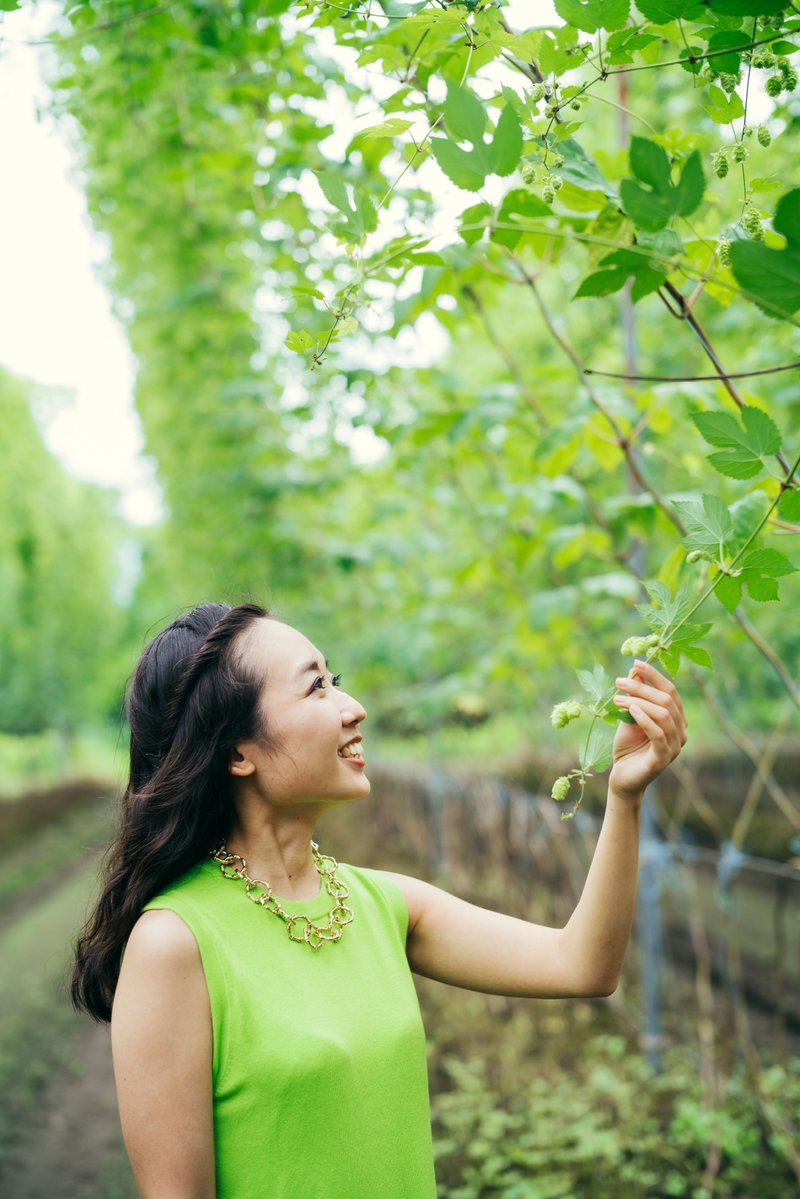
x,y
622,441
684,313
765,370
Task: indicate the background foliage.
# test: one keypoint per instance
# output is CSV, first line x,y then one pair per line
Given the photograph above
x,y
467,338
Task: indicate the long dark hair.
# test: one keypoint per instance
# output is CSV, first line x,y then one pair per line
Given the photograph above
x,y
190,700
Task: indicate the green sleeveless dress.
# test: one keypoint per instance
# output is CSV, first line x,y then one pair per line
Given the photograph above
x,y
320,1085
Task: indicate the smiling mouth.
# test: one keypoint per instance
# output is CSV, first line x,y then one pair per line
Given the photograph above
x,y
352,751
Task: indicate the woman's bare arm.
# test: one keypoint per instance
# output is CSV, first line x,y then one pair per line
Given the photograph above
x,y
468,946
161,1045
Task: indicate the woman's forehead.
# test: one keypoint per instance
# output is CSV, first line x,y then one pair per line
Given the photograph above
x,y
279,650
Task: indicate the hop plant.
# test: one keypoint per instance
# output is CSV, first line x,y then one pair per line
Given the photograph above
x,y
729,82
563,713
751,223
774,86
768,60
560,788
739,152
719,162
789,78
726,259
696,555
634,647
528,172
538,93
764,136
548,193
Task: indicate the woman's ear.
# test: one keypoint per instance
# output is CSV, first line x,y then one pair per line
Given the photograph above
x,y
240,765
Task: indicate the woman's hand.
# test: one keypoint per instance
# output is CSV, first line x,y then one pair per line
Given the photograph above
x,y
643,750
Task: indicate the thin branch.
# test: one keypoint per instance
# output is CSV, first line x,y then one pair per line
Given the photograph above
x,y
766,370
622,441
758,641
684,313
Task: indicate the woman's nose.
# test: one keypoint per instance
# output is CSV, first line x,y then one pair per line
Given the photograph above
x,y
352,711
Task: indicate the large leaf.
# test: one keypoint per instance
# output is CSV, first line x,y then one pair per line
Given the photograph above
x,y
466,120
651,199
743,444
661,12
616,269
591,15
724,108
772,277
581,170
708,524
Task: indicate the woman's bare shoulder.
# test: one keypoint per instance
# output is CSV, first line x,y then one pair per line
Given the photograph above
x,y
162,938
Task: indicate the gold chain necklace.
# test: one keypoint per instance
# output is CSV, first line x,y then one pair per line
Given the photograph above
x,y
234,866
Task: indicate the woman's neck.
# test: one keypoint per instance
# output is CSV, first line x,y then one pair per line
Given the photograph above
x,y
276,846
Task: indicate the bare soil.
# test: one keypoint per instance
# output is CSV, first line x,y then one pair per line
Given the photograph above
x,y
72,1148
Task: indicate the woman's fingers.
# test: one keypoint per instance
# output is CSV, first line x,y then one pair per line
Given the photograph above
x,y
663,723
651,686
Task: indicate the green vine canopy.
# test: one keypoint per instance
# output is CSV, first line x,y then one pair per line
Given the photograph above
x,y
380,162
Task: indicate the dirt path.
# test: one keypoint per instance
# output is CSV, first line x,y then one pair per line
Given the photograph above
x,y
74,1148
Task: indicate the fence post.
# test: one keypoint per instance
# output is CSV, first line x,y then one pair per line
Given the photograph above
x,y
650,932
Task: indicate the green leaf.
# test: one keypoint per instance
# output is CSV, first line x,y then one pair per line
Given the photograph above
x,y
724,108
595,682
459,165
761,588
736,464
620,266
690,633
647,209
691,185
517,203
768,562
464,115
671,659
729,591
748,8
649,162
757,434
334,191
596,750
661,12
731,40
651,209
299,342
708,524
507,143
581,170
772,277
391,128
592,15
477,215
469,168
698,655
789,505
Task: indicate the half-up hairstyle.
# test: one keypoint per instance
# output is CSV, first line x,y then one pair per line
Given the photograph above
x,y
191,701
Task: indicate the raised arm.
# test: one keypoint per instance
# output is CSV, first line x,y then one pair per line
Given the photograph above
x,y
459,943
161,1045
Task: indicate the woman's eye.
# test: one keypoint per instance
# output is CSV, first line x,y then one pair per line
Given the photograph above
x,y
336,680
319,682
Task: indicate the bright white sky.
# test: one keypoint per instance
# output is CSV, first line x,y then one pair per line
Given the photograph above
x,y
56,324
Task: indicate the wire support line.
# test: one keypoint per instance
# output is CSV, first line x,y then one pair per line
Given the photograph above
x,y
766,370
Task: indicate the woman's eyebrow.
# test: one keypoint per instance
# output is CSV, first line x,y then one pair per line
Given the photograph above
x,y
311,666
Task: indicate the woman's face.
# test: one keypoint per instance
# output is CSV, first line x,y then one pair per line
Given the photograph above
x,y
310,720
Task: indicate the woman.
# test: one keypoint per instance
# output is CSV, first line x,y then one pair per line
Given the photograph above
x,y
273,1049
